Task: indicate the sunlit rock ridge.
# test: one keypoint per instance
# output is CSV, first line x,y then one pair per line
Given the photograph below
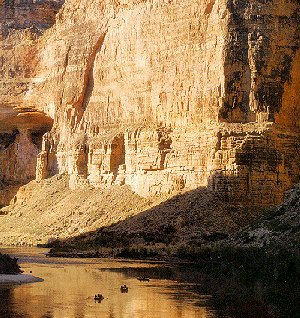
x,y
163,96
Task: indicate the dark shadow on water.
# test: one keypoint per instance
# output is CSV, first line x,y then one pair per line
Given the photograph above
x,y
8,308
6,304
236,292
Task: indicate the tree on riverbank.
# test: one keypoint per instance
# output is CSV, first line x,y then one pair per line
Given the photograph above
x,y
9,265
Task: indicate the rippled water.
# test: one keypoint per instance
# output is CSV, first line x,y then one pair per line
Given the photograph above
x,y
69,287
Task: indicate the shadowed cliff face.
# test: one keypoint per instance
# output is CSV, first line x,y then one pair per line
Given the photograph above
x,y
22,14
261,51
166,96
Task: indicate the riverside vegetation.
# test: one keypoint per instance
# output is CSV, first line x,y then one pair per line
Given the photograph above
x,y
9,265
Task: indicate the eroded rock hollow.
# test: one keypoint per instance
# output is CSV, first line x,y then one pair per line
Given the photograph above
x,y
163,96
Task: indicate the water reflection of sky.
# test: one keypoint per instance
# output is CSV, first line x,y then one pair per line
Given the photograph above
x,y
68,292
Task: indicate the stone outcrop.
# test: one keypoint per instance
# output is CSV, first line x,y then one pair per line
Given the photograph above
x,y
163,96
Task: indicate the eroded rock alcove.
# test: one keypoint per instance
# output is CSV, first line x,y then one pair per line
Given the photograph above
x,y
21,142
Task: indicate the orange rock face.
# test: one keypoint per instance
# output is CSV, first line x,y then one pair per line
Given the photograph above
x,y
22,121
162,96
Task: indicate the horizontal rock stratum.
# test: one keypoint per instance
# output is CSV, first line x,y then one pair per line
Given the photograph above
x,y
163,96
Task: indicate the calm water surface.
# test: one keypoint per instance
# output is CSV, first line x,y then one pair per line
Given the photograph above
x,y
69,287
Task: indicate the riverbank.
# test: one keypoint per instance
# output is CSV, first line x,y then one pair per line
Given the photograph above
x,y
275,232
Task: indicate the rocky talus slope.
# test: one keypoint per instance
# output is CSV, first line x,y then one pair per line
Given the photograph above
x,y
197,227
44,211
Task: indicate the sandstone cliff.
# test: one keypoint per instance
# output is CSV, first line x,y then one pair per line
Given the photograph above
x,y
22,123
163,96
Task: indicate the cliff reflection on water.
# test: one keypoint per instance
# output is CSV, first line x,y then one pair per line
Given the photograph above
x,y
174,291
69,287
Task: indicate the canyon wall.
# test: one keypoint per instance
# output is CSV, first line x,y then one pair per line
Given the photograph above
x,y
22,123
163,96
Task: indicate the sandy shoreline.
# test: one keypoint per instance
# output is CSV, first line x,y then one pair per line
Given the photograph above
x,y
18,279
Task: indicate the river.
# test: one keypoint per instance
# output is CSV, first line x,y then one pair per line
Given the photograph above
x,y
174,290
69,287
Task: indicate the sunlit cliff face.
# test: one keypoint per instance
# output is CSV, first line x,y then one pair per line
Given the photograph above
x,y
162,96
22,121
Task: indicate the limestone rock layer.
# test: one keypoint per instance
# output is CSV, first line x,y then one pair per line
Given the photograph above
x,y
163,96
